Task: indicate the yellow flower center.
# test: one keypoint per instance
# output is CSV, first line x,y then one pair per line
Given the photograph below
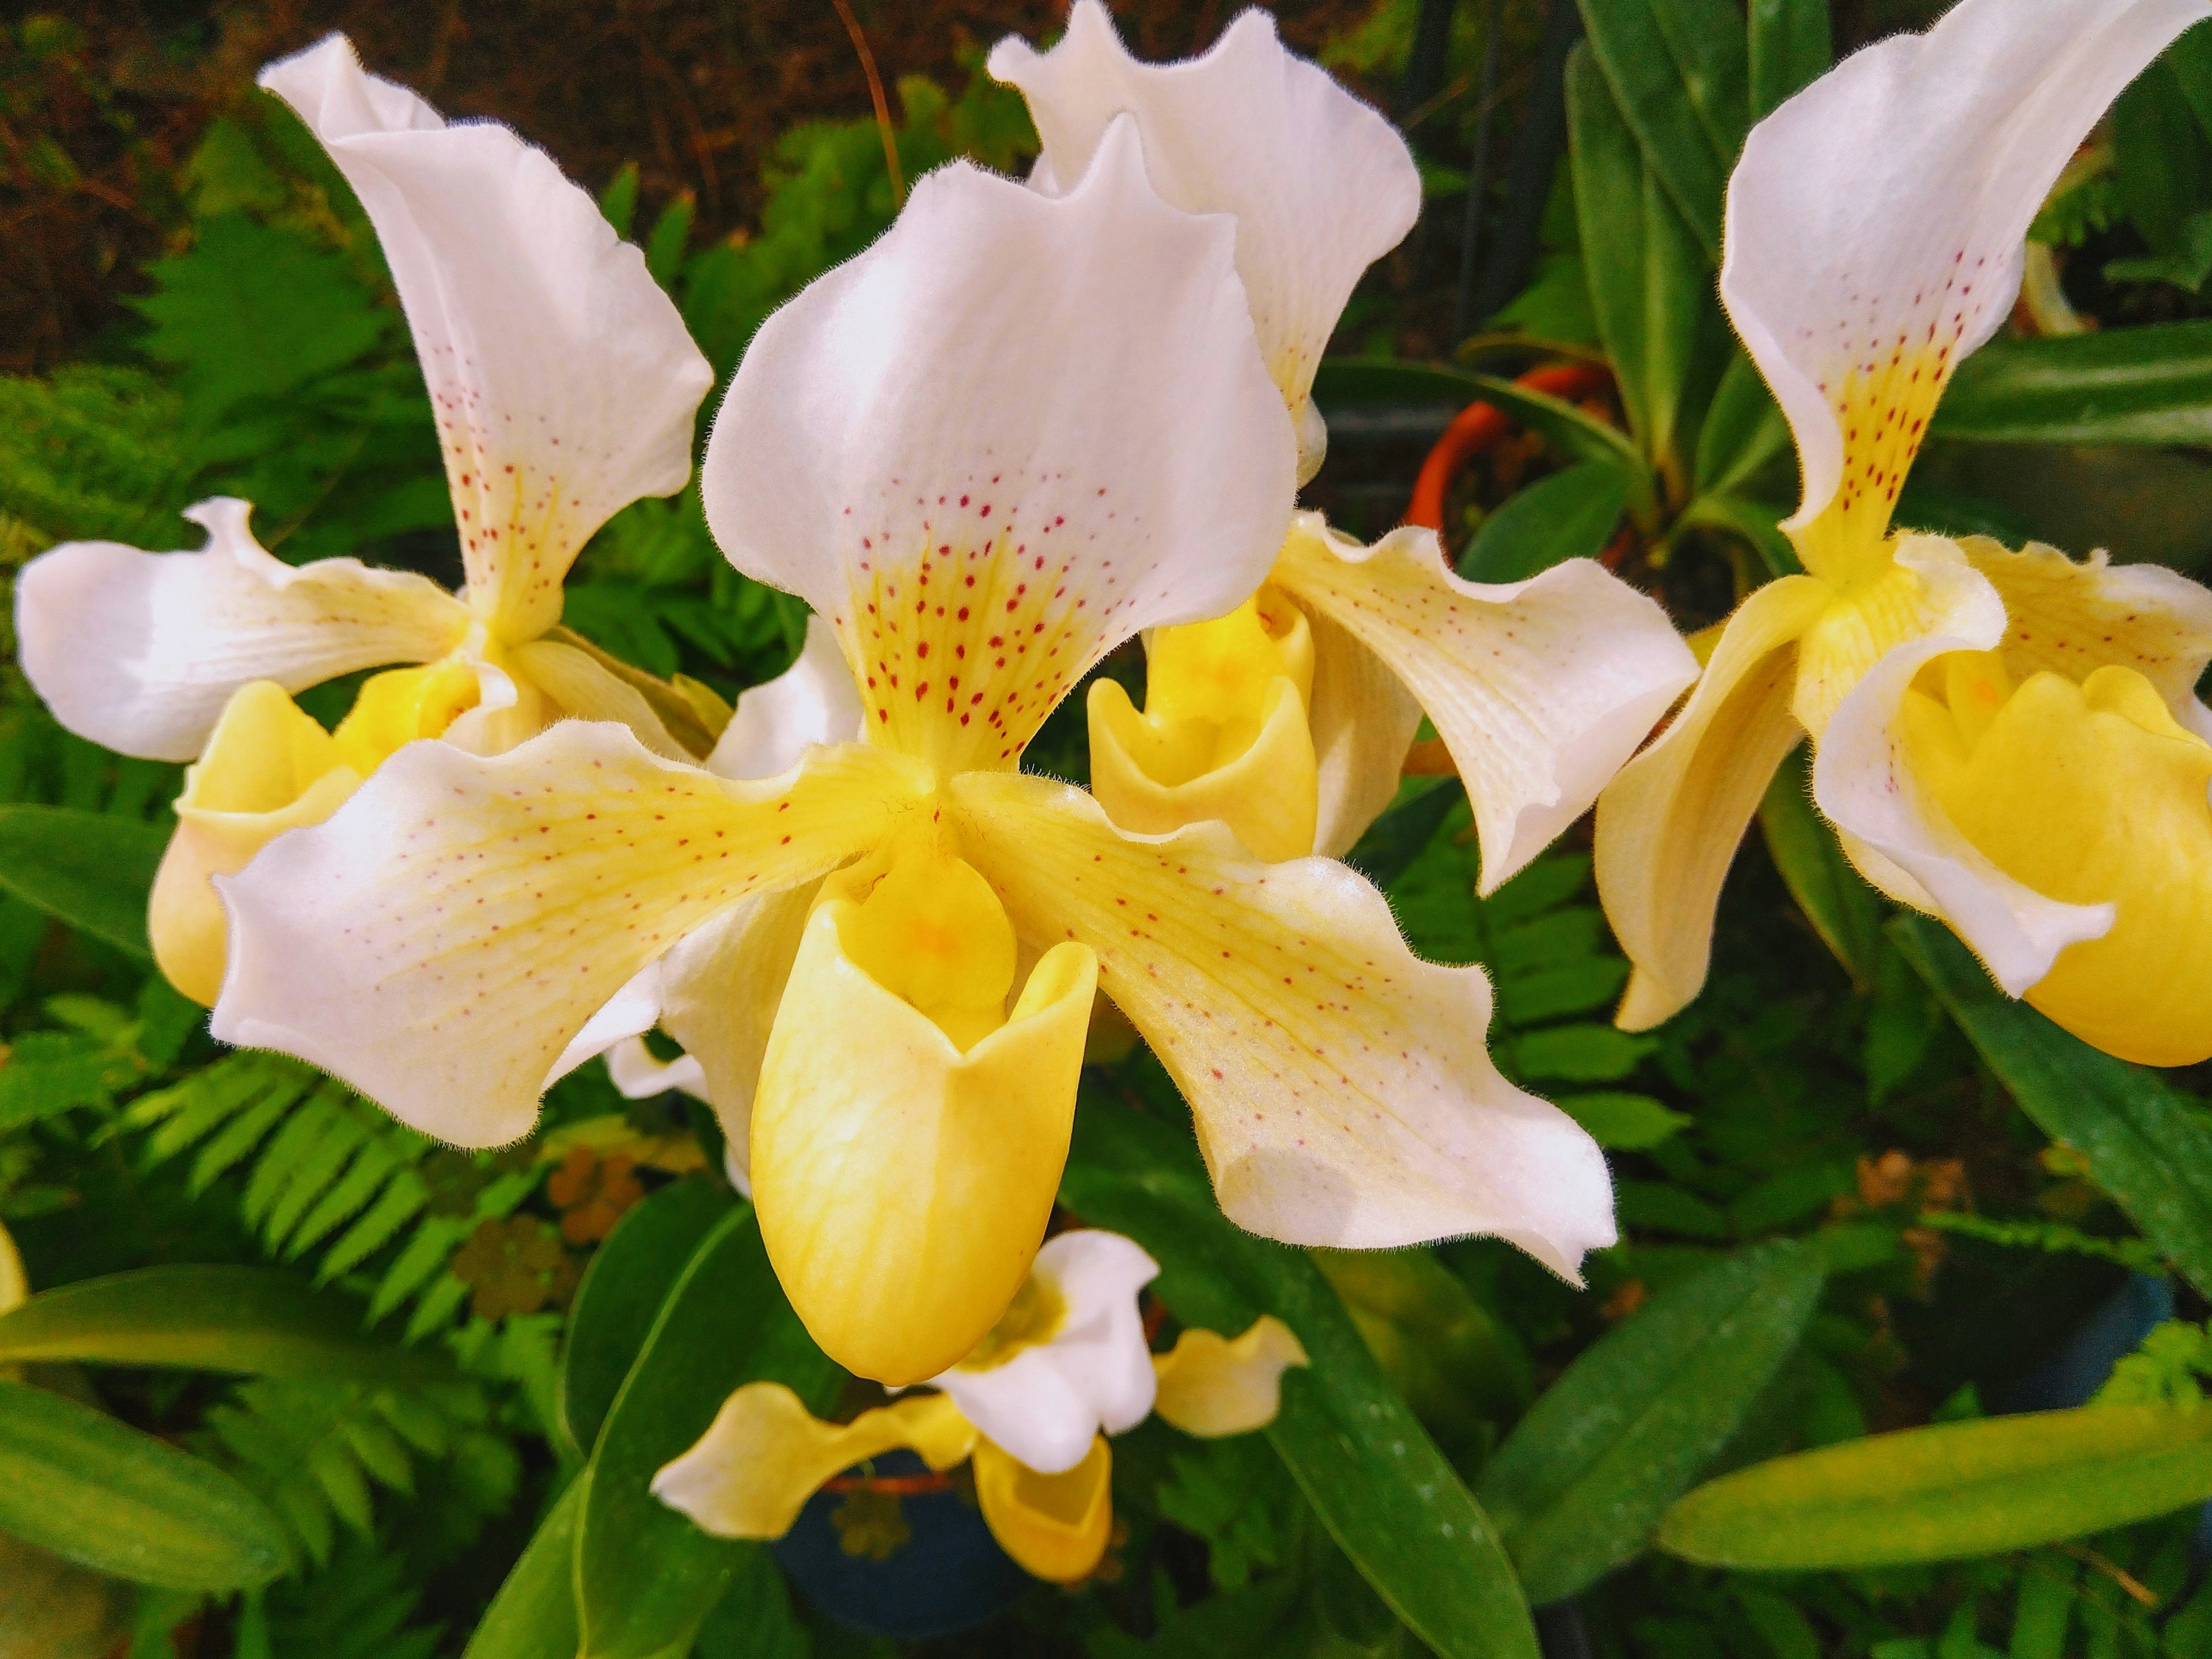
x,y
1224,733
1032,1319
2089,792
931,930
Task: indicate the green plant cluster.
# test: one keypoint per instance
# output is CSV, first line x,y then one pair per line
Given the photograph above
x,y
297,1381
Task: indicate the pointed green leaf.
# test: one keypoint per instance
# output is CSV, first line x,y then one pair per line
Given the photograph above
x,y
2146,1143
1569,515
93,871
1347,380
629,1278
1386,1494
97,1492
1582,1480
534,1614
1790,48
645,1576
2151,385
1679,70
255,1321
1949,1492
1743,431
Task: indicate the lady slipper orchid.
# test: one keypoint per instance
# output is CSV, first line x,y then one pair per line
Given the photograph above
x,y
1289,720
1031,1406
564,387
1015,432
2009,741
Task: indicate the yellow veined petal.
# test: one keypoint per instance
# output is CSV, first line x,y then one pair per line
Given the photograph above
x,y
1340,1086
765,1455
1922,586
269,768
582,688
467,915
1364,721
1056,1526
2090,794
1668,825
142,651
1213,1385
905,1153
2073,618
1540,689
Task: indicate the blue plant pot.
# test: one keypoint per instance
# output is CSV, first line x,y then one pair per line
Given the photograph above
x,y
946,1574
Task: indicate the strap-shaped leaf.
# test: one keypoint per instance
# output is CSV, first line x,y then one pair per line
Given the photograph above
x,y
646,1576
92,870
1371,1471
630,1276
1679,72
2124,385
534,1614
1650,288
1569,515
256,1320
1790,46
1950,1491
2145,1143
96,1492
1343,381
1581,1482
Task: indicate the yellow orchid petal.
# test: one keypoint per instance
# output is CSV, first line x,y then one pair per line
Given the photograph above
x,y
2090,794
582,688
467,915
269,768
2072,618
1363,720
1213,1385
1341,1090
1223,732
765,1455
141,652
907,1134
1055,1526
1541,690
395,709
1668,824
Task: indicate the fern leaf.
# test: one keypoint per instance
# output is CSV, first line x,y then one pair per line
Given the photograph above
x,y
362,1180
401,1201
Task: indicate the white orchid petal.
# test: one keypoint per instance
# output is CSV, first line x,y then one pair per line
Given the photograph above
x,y
638,1076
1864,782
1046,1403
1875,221
1541,689
813,701
1342,1092
1320,185
563,380
140,652
1012,434
465,917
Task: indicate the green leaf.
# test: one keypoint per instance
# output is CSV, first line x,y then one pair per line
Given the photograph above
x,y
2122,386
1583,1478
94,1490
1627,1123
2145,1143
1347,380
1394,840
1371,1473
256,1320
1650,288
646,1576
1950,1491
630,1276
1756,522
1789,48
1578,1053
1569,515
534,1614
1743,431
1843,911
93,871
754,1620
1679,71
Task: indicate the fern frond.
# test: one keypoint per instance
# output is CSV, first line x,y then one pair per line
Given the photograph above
x,y
358,1607
326,1171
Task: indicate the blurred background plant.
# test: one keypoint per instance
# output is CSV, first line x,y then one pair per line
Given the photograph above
x,y
296,1381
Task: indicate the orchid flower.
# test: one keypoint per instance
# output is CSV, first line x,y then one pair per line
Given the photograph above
x,y
2009,741
564,387
1013,432
1290,720
1029,1407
